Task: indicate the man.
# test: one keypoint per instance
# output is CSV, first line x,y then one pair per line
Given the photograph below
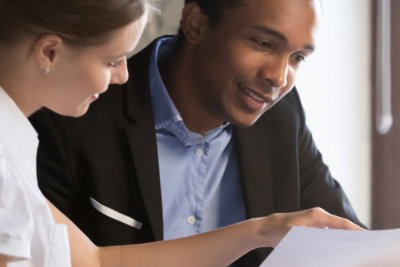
x,y
186,145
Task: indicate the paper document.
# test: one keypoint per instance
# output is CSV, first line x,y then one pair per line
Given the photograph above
x,y
313,247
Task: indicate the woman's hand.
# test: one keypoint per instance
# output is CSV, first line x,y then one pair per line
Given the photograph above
x,y
274,227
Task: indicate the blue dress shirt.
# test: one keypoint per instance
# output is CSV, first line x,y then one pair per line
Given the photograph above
x,y
200,184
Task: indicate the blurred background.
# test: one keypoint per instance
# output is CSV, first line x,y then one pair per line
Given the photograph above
x,y
348,89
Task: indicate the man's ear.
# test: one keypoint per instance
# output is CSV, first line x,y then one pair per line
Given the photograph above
x,y
194,23
47,49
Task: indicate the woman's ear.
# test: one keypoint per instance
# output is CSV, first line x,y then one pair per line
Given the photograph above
x,y
194,23
47,49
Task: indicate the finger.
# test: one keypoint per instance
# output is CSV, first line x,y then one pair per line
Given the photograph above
x,y
325,219
336,222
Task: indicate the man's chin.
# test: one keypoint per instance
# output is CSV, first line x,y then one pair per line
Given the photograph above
x,y
245,122
246,119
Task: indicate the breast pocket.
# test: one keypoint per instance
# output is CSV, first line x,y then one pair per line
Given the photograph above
x,y
116,215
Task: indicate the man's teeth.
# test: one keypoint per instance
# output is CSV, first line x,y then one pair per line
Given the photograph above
x,y
255,97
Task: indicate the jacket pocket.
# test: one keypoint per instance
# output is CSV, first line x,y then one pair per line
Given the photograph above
x,y
115,214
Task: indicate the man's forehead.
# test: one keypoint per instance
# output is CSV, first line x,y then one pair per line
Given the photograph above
x,y
281,13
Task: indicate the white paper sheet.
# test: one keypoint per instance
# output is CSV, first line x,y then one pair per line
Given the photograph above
x,y
313,247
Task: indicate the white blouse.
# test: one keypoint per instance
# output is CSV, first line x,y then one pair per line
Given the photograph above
x,y
28,233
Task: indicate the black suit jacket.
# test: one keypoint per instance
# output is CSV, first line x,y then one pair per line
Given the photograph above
x,y
110,154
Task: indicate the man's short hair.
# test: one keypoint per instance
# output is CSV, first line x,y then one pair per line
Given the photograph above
x,y
214,9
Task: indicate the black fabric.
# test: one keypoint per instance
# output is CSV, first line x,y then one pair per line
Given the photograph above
x,y
110,154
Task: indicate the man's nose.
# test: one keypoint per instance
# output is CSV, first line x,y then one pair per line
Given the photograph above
x,y
275,71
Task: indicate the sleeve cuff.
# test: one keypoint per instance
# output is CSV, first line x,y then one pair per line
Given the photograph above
x,y
16,249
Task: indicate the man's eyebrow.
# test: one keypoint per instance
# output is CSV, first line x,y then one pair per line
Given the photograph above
x,y
271,31
279,35
309,47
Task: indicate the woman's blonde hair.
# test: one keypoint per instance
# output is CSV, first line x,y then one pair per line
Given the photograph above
x,y
78,22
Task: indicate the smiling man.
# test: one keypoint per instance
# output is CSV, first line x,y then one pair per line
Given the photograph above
x,y
238,63
208,131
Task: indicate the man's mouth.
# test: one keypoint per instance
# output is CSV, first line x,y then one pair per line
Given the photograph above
x,y
256,95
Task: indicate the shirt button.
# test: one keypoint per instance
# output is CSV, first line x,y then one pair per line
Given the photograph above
x,y
191,219
199,152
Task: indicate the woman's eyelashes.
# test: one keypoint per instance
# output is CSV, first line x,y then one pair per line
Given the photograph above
x,y
116,63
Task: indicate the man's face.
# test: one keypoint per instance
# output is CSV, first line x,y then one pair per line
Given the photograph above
x,y
248,61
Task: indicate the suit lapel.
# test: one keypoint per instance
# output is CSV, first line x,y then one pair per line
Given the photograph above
x,y
255,173
144,153
142,139
255,170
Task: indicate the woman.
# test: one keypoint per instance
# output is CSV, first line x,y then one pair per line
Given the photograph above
x,y
62,55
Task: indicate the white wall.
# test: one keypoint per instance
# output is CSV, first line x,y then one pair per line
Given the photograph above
x,y
162,23
335,85
335,88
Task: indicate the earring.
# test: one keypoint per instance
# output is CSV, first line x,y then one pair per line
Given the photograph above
x,y
46,70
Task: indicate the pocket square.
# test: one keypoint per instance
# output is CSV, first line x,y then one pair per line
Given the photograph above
x,y
115,214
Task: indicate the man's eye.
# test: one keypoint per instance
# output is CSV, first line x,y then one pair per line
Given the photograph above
x,y
299,58
262,43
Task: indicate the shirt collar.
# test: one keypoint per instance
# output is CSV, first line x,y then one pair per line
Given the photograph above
x,y
164,108
16,132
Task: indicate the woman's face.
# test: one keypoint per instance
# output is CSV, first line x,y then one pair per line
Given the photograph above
x,y
80,76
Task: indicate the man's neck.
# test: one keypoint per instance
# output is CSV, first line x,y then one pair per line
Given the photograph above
x,y
177,74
